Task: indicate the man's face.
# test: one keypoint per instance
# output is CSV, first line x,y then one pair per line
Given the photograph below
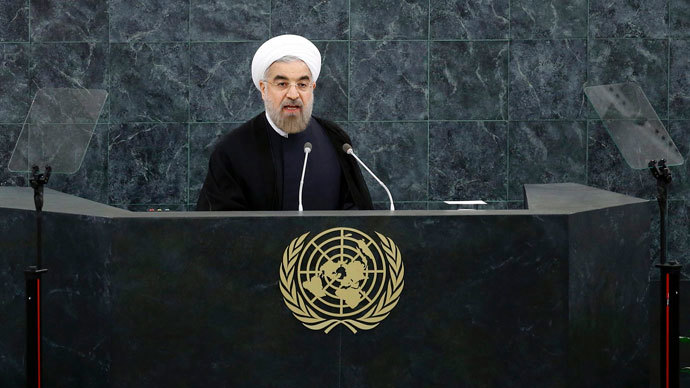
x,y
290,109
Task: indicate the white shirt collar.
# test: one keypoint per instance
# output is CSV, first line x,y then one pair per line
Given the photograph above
x,y
275,127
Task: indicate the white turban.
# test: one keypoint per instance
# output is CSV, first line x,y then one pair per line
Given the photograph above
x,y
280,46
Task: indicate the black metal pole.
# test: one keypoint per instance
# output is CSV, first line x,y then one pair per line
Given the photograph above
x,y
669,360
669,365
33,288
33,326
663,179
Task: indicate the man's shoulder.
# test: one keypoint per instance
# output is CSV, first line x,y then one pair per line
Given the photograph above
x,y
245,134
332,127
247,129
326,123
242,141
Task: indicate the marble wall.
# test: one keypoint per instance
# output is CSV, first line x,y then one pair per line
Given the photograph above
x,y
444,99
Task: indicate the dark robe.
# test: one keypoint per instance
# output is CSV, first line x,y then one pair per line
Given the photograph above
x,y
322,179
245,174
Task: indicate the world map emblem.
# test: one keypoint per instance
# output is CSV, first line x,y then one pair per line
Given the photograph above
x,y
341,276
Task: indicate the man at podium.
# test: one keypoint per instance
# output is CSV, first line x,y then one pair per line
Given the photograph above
x,y
258,166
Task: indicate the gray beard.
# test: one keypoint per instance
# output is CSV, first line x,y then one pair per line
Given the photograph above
x,y
290,124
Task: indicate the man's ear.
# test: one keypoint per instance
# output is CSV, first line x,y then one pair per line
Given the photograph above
x,y
313,87
262,86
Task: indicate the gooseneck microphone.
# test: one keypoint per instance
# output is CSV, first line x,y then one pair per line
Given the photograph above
x,y
307,150
348,150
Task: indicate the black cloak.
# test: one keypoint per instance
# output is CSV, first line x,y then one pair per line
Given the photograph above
x,y
243,173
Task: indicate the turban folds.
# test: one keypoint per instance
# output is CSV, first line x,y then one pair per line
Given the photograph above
x,y
280,46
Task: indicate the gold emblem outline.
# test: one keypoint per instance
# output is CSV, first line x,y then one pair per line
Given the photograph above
x,y
369,319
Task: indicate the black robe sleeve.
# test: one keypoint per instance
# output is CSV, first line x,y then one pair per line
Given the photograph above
x,y
241,171
221,190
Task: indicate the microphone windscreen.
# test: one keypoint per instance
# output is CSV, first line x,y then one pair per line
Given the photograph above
x,y
347,148
307,147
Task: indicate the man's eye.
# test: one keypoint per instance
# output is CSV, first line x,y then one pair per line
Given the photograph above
x,y
302,85
282,84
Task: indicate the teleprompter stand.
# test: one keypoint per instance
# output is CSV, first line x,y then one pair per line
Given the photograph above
x,y
669,276
56,133
33,287
644,143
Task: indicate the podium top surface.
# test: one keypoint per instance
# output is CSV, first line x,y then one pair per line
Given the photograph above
x,y
559,198
572,198
22,198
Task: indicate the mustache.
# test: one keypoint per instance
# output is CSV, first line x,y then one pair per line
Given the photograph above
x,y
291,103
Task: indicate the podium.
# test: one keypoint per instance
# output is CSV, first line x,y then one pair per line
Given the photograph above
x,y
554,295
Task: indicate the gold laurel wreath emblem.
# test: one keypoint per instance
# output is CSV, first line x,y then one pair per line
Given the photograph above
x,y
368,320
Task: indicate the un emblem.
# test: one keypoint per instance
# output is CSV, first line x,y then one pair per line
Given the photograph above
x,y
341,276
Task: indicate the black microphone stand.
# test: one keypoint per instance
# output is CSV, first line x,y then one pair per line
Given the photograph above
x,y
669,281
33,287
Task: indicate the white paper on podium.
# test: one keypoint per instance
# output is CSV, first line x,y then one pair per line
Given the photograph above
x,y
475,202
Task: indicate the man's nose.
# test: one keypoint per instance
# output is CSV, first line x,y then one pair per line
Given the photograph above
x,y
292,92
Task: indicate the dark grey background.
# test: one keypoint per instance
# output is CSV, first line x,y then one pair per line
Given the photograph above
x,y
444,99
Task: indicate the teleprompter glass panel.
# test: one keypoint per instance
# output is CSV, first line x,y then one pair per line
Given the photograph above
x,y
58,129
633,124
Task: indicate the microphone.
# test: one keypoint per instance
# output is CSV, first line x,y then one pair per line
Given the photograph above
x,y
307,150
348,150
